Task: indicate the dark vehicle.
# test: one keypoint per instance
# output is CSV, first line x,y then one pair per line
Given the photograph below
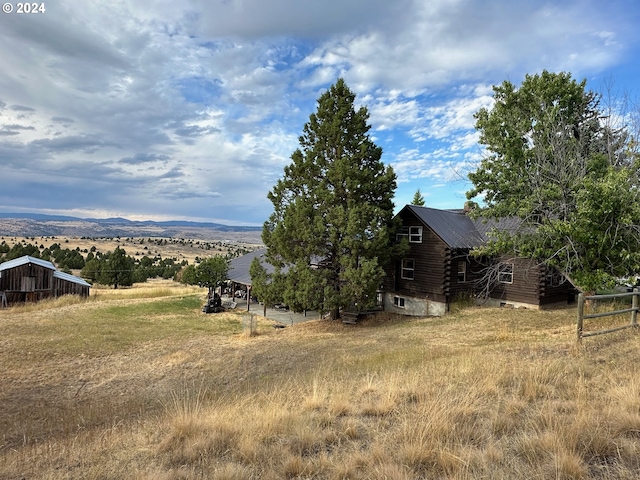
x,y
213,305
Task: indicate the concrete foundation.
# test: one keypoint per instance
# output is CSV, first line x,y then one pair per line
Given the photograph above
x,y
414,306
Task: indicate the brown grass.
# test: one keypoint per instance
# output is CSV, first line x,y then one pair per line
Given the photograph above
x,y
482,393
136,247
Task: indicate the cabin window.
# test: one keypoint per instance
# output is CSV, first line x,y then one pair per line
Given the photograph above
x,y
398,302
462,271
505,273
408,268
415,234
554,278
403,232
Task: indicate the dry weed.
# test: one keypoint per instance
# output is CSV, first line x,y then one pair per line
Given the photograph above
x,y
483,393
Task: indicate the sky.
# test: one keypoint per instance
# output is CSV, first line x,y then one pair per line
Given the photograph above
x,y
190,110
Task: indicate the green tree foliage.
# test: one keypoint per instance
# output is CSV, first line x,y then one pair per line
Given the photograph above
x,y
20,250
91,270
116,268
418,199
188,275
267,287
554,163
212,272
155,267
94,266
333,210
70,259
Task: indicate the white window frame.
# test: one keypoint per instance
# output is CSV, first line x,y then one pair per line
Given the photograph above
x,y
415,234
411,233
404,267
399,302
505,272
462,270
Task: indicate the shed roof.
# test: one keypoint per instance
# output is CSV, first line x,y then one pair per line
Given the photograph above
x,y
239,266
17,262
70,278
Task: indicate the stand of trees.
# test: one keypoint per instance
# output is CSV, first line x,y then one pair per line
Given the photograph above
x,y
65,259
119,269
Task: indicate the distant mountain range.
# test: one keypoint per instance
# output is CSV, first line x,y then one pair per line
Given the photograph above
x,y
124,221
36,224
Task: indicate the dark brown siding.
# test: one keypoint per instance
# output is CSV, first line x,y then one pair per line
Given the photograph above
x,y
473,272
435,275
528,278
64,287
11,279
556,292
27,282
430,258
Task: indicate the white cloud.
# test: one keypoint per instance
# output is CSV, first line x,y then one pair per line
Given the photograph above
x,y
164,108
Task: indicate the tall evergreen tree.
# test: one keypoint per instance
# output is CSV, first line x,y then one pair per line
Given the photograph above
x,y
333,210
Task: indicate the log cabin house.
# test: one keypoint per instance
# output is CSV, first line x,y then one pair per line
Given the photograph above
x,y
438,269
30,279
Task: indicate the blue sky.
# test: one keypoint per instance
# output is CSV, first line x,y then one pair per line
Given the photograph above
x,y
190,110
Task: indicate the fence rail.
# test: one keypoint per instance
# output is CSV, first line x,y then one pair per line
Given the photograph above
x,y
582,317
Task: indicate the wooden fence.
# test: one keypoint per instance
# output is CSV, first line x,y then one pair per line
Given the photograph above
x,y
582,317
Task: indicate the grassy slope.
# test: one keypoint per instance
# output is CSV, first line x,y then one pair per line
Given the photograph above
x,y
152,388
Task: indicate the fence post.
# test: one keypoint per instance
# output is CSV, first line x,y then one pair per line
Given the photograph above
x,y
580,316
634,305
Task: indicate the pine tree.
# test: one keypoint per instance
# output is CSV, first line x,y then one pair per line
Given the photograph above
x,y
333,209
418,199
116,268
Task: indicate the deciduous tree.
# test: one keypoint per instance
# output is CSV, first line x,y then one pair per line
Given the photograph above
x,y
188,275
212,272
553,162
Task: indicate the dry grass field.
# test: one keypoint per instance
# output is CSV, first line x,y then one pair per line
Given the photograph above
x,y
139,383
137,247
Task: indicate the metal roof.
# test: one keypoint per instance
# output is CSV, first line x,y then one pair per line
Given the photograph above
x,y
239,266
455,229
16,262
70,278
509,224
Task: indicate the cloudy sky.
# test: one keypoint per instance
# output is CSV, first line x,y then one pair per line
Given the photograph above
x,y
190,110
